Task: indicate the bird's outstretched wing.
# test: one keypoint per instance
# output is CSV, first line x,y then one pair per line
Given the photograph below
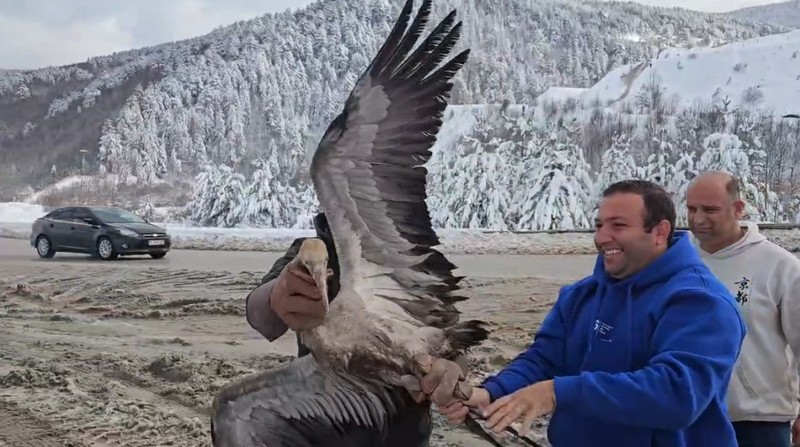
x,y
369,176
299,404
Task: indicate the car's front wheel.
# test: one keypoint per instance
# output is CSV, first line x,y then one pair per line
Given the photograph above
x,y
105,249
44,247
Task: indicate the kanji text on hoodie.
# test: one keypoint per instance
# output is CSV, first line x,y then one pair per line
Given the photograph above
x,y
642,361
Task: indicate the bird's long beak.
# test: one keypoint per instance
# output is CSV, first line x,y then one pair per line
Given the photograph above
x,y
320,274
314,256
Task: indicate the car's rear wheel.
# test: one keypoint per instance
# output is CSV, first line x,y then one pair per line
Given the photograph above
x,y
105,249
44,247
157,255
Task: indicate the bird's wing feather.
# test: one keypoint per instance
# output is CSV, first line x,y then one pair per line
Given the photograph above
x,y
369,175
297,404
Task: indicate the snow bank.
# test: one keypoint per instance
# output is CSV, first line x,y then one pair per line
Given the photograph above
x,y
18,212
472,242
453,241
16,219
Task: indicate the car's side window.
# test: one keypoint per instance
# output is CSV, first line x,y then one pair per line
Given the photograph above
x,y
67,215
59,215
79,216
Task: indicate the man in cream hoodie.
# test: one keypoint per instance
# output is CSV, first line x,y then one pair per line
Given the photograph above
x,y
765,279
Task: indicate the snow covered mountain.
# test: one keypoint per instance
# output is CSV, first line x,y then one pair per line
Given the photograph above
x,y
264,89
782,14
759,73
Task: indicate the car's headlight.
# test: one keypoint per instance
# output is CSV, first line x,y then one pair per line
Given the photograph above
x,y
126,232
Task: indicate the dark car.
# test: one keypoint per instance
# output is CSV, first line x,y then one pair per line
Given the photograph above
x,y
99,231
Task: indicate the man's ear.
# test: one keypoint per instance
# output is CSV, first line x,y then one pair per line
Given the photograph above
x,y
661,231
738,208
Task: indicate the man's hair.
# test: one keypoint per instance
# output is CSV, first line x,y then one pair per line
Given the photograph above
x,y
734,187
658,205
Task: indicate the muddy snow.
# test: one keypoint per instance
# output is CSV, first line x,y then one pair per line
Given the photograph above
x,y
131,353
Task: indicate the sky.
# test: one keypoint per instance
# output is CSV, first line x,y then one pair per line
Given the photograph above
x,y
40,33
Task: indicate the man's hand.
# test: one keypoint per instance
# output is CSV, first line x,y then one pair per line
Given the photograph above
x,y
296,299
527,404
796,433
457,411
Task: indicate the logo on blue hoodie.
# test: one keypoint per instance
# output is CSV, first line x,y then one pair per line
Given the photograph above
x,y
603,331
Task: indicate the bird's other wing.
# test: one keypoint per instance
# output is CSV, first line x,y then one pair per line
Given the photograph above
x,y
369,174
298,404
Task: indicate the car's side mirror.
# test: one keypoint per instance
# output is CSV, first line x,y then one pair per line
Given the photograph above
x,y
89,220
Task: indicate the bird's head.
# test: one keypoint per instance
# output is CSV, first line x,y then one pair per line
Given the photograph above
x,y
313,256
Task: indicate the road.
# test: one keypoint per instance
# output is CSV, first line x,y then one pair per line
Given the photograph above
x,y
19,252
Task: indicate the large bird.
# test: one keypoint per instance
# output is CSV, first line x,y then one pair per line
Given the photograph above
x,y
397,293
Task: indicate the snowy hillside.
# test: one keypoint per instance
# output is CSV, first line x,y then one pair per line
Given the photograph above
x,y
262,88
780,14
758,73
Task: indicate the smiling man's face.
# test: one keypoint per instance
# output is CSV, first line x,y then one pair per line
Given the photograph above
x,y
622,238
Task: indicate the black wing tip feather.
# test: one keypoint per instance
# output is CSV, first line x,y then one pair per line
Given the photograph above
x,y
399,71
418,92
467,334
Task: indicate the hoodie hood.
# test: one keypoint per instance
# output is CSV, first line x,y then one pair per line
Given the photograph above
x,y
752,236
680,255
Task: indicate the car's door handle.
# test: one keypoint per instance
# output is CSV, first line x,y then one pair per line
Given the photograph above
x,y
71,228
51,225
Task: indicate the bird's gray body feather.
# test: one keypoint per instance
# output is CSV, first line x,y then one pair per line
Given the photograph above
x,y
298,404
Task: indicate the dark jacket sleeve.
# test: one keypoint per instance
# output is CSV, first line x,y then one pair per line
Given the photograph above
x,y
259,313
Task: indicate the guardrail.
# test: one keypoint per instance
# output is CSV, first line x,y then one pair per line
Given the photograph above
x,y
761,226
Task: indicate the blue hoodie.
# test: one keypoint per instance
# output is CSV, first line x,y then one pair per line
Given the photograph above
x,y
638,362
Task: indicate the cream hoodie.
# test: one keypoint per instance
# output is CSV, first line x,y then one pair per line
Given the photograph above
x,y
765,279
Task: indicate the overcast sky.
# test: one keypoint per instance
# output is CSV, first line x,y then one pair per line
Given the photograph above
x,y
38,33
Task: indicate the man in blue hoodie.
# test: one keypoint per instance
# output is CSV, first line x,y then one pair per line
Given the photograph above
x,y
638,354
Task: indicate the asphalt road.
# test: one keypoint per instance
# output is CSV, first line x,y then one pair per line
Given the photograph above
x,y
18,251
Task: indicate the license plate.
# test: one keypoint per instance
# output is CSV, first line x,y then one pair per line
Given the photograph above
x,y
157,242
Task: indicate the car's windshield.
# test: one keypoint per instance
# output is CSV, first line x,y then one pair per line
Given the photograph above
x,y
116,215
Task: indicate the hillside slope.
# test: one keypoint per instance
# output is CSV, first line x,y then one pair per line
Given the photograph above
x,y
780,14
265,88
760,73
